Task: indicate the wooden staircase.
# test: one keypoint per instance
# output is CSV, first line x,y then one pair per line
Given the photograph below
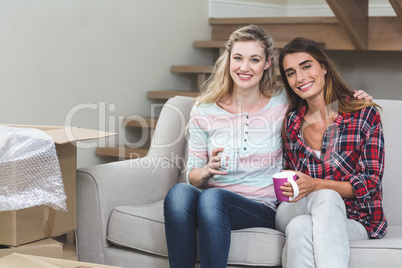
x,y
351,29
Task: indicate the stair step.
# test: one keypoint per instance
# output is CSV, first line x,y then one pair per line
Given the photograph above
x,y
194,69
287,28
164,95
209,44
150,122
122,152
273,20
221,44
384,33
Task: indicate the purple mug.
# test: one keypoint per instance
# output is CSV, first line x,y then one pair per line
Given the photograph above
x,y
279,179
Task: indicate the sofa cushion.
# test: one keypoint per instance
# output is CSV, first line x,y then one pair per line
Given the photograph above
x,y
374,253
139,227
256,247
392,187
384,252
142,228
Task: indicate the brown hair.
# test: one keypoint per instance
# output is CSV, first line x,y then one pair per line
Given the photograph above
x,y
336,91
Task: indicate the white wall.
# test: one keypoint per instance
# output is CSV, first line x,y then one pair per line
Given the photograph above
x,y
101,54
377,72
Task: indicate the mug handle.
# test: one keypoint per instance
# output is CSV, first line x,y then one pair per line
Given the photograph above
x,y
295,190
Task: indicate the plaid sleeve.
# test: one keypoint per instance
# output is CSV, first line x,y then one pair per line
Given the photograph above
x,y
288,153
370,166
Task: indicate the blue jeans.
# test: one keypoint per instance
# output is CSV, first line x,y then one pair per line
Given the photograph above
x,y
215,212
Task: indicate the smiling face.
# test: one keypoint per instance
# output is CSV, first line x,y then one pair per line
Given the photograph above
x,y
305,75
247,64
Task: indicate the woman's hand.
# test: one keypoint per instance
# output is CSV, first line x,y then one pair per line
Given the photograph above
x,y
199,177
361,94
214,164
306,185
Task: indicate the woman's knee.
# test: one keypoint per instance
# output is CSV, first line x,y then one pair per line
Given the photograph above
x,y
285,213
327,198
212,203
300,229
180,197
211,198
327,194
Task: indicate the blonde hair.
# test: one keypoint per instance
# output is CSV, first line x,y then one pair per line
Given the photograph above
x,y
220,83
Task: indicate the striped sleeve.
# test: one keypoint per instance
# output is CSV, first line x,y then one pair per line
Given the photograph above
x,y
198,141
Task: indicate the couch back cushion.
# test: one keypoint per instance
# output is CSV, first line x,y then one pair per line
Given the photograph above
x,y
169,142
392,180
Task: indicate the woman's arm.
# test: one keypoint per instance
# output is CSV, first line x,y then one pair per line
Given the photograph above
x,y
199,177
366,181
308,185
202,167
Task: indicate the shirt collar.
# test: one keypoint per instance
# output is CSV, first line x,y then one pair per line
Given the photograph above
x,y
297,116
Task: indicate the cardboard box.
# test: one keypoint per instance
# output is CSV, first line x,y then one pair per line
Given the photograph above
x,y
46,248
26,225
16,260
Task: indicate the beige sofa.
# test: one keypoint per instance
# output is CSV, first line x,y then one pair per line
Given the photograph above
x,y
120,204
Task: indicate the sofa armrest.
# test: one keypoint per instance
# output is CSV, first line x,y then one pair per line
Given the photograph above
x,y
103,187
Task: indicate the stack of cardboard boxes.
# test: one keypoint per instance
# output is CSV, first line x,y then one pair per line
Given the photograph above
x,y
29,231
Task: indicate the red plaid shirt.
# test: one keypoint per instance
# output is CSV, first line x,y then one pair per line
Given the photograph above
x,y
352,150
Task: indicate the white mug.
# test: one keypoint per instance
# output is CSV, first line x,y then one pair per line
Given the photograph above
x,y
230,159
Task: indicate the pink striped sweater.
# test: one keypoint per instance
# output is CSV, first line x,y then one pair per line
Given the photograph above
x,y
258,137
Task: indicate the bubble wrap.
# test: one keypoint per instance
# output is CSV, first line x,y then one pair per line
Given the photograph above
x,y
29,170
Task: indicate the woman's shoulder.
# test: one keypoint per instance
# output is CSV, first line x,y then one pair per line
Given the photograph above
x,y
280,96
364,119
293,119
295,113
205,108
369,114
278,100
